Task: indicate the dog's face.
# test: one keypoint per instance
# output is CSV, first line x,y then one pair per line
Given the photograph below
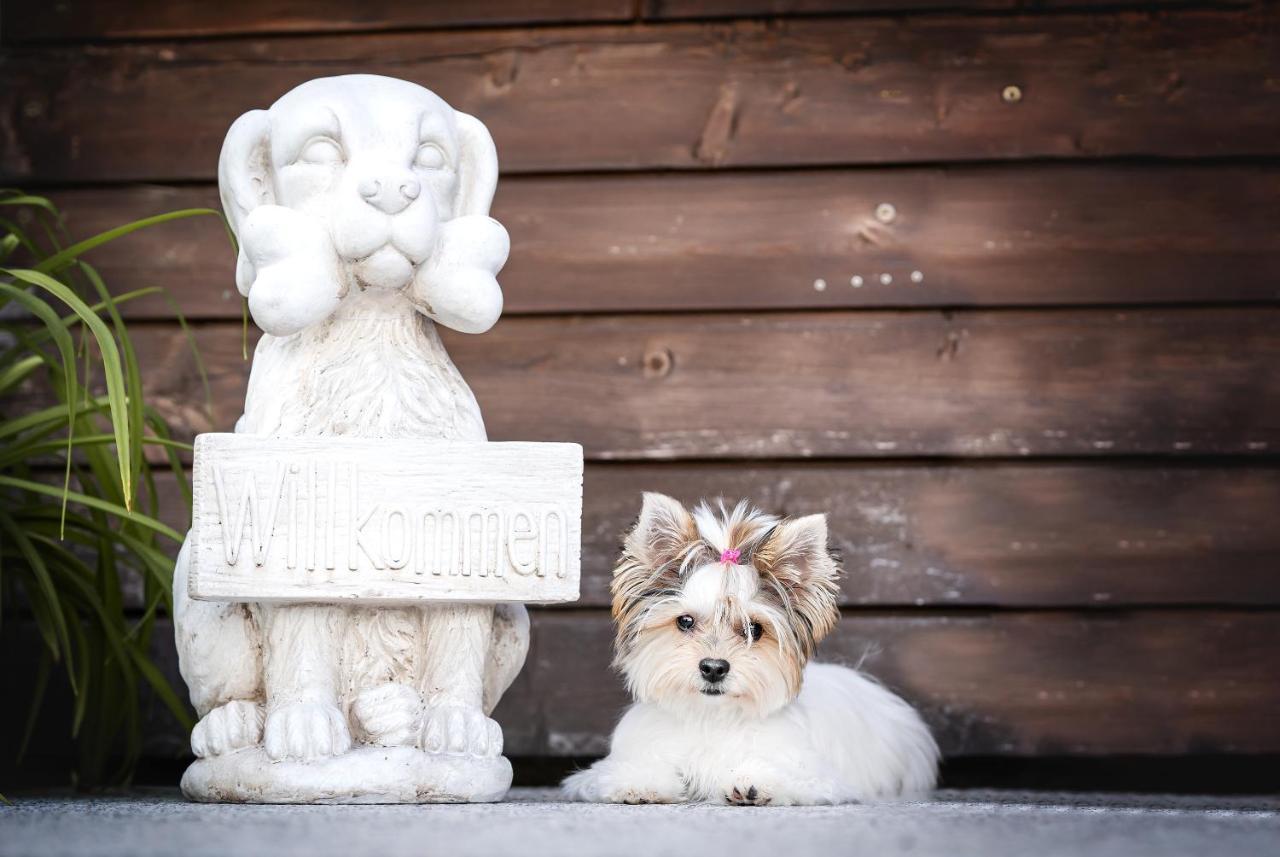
x,y
382,163
720,611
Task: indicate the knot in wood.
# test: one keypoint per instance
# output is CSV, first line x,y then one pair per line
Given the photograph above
x,y
658,362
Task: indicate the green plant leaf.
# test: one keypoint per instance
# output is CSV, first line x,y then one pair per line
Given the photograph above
x,y
66,550
62,339
62,258
111,366
96,503
43,668
60,644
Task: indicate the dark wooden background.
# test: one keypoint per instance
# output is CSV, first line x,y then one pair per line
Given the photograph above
x,y
992,283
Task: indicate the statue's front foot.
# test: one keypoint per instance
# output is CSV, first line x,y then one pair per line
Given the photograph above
x,y
302,731
458,728
227,728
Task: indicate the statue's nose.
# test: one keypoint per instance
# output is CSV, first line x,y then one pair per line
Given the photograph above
x,y
388,194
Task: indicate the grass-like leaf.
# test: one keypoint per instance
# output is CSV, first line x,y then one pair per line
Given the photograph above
x,y
72,410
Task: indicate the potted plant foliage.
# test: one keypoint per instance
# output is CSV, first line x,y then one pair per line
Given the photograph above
x,y
80,452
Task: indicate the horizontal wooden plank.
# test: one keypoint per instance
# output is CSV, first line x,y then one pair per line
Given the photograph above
x,y
684,9
972,236
1007,535
1008,684
1002,684
872,384
858,90
1015,535
71,20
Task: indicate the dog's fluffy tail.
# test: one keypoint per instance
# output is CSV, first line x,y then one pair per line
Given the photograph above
x,y
882,746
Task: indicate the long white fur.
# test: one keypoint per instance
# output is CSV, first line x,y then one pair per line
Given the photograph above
x,y
843,738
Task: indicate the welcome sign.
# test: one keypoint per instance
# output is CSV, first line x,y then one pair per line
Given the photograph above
x,y
349,520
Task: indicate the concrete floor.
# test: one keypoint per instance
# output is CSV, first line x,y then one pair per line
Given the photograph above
x,y
533,822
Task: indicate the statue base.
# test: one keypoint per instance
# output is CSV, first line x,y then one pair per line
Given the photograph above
x,y
362,775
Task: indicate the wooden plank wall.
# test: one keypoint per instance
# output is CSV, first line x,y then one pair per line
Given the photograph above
x,y
992,283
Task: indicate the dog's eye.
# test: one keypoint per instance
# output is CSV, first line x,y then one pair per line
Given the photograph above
x,y
321,150
684,623
755,631
429,157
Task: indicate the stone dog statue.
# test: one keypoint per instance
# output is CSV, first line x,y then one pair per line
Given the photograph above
x,y
361,207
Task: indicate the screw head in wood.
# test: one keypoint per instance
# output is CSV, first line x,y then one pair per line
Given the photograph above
x,y
1011,94
886,213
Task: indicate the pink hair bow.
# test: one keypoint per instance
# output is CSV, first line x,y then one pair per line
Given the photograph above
x,y
730,555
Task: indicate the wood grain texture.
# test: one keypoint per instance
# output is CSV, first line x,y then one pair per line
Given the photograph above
x,y
1107,535
975,236
681,9
841,384
84,20
1052,684
1038,684
860,90
72,20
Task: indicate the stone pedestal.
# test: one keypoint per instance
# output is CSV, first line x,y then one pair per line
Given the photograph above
x,y
363,775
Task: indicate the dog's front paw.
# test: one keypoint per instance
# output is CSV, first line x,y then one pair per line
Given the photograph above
x,y
747,795
390,714
608,782
227,728
303,731
455,728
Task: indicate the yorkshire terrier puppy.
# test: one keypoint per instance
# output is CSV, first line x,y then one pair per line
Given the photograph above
x,y
717,616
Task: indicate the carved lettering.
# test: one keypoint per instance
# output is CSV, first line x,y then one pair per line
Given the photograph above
x,y
468,541
261,527
338,525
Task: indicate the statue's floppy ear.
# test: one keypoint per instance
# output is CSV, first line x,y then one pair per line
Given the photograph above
x,y
244,178
477,167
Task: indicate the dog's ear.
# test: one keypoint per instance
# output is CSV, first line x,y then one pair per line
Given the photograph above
x,y
477,167
795,563
664,534
654,553
244,179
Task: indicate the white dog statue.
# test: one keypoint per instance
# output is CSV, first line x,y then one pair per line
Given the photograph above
x,y
361,207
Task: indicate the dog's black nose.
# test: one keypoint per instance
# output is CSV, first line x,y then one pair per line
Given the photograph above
x,y
713,669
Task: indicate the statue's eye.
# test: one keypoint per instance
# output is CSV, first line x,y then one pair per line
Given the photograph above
x,y
685,623
755,631
429,157
321,150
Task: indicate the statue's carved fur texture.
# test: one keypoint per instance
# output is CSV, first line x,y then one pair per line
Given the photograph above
x,y
361,204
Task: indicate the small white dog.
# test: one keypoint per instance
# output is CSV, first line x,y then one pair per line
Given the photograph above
x,y
718,614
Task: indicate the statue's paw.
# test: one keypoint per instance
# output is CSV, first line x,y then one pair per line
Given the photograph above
x,y
390,714
227,728
304,731
452,728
